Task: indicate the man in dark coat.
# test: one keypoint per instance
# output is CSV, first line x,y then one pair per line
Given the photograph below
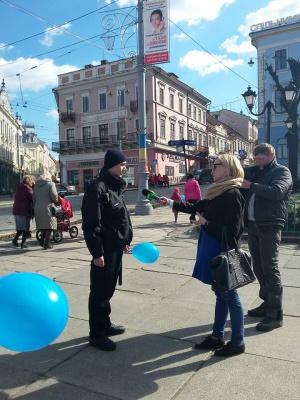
x,y
107,232
269,186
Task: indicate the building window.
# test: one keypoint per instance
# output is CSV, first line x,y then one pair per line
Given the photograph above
x,y
199,114
182,169
204,118
86,134
169,171
85,103
190,134
161,96
180,105
69,104
189,110
172,100
102,101
70,136
277,101
120,97
281,151
73,178
103,133
181,132
172,129
162,128
195,112
280,59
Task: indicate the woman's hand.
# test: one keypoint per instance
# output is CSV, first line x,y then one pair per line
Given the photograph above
x,y
200,220
163,201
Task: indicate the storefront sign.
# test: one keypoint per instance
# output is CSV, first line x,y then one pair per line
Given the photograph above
x,y
87,163
132,160
273,24
172,157
104,117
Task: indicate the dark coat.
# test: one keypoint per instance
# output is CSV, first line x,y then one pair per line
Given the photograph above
x,y
23,200
105,220
224,210
272,187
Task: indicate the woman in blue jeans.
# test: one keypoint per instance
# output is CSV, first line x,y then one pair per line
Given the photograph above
x,y
222,206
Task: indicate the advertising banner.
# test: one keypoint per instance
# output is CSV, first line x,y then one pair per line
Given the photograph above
x,y
156,31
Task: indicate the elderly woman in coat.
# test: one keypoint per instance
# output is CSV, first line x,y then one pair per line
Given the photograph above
x,y
44,195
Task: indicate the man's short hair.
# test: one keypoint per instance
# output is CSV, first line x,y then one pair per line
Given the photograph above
x,y
264,148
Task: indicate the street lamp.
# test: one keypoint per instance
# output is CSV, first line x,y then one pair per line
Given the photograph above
x,y
250,97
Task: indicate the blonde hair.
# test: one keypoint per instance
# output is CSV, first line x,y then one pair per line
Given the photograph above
x,y
232,166
28,179
46,176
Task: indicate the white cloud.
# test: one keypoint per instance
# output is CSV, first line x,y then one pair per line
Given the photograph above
x,y
205,64
35,74
4,47
275,9
53,114
230,45
179,36
51,33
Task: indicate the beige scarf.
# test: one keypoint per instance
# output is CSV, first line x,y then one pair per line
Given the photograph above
x,y
218,188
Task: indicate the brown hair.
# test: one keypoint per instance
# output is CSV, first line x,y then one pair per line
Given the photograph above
x,y
264,148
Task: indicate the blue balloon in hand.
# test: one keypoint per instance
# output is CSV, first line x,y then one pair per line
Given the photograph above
x,y
33,311
183,197
145,252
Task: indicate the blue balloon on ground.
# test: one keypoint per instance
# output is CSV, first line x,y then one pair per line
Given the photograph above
x,y
183,197
145,252
34,311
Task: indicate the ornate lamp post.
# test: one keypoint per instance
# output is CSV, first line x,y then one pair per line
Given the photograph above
x,y
250,97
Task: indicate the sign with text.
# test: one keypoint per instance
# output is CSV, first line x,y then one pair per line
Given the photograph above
x,y
182,142
156,31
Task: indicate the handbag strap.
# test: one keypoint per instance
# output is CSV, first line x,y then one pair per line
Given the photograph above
x,y
224,241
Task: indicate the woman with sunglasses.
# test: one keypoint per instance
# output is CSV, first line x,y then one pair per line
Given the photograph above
x,y
221,207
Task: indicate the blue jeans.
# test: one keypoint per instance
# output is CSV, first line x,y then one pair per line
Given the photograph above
x,y
229,302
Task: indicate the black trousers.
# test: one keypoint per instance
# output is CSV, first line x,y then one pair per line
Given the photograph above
x,y
263,244
103,283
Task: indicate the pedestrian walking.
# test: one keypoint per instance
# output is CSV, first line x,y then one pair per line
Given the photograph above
x,y
176,196
23,209
192,193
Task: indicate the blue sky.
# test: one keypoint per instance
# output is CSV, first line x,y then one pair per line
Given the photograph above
x,y
39,40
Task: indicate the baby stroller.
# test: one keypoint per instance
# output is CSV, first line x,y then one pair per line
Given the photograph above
x,y
63,212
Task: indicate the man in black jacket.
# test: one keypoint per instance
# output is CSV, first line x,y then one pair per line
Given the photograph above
x,y
107,232
269,186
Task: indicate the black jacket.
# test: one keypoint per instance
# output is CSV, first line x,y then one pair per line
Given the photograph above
x,y
224,210
272,187
105,219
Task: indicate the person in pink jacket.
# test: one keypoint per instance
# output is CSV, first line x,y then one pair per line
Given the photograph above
x,y
192,192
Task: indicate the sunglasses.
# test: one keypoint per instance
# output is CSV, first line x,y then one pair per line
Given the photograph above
x,y
215,166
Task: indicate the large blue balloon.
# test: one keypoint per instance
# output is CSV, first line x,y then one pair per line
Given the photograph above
x,y
145,252
33,311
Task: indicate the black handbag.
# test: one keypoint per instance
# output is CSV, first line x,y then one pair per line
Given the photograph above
x,y
56,210
231,269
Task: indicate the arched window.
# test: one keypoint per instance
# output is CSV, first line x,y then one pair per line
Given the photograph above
x,y
281,151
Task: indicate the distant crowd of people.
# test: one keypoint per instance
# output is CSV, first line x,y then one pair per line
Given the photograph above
x,y
158,181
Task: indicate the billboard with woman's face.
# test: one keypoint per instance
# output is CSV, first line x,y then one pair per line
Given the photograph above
x,y
156,31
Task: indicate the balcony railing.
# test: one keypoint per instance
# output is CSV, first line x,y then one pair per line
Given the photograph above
x,y
87,143
67,116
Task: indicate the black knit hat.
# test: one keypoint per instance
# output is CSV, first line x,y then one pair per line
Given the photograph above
x,y
113,157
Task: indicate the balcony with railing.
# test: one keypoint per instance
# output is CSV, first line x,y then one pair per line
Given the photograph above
x,y
87,145
68,116
200,151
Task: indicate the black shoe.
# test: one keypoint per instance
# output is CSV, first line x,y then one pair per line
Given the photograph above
x,y
260,311
103,343
268,324
24,246
210,343
47,246
230,350
114,330
41,243
15,243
